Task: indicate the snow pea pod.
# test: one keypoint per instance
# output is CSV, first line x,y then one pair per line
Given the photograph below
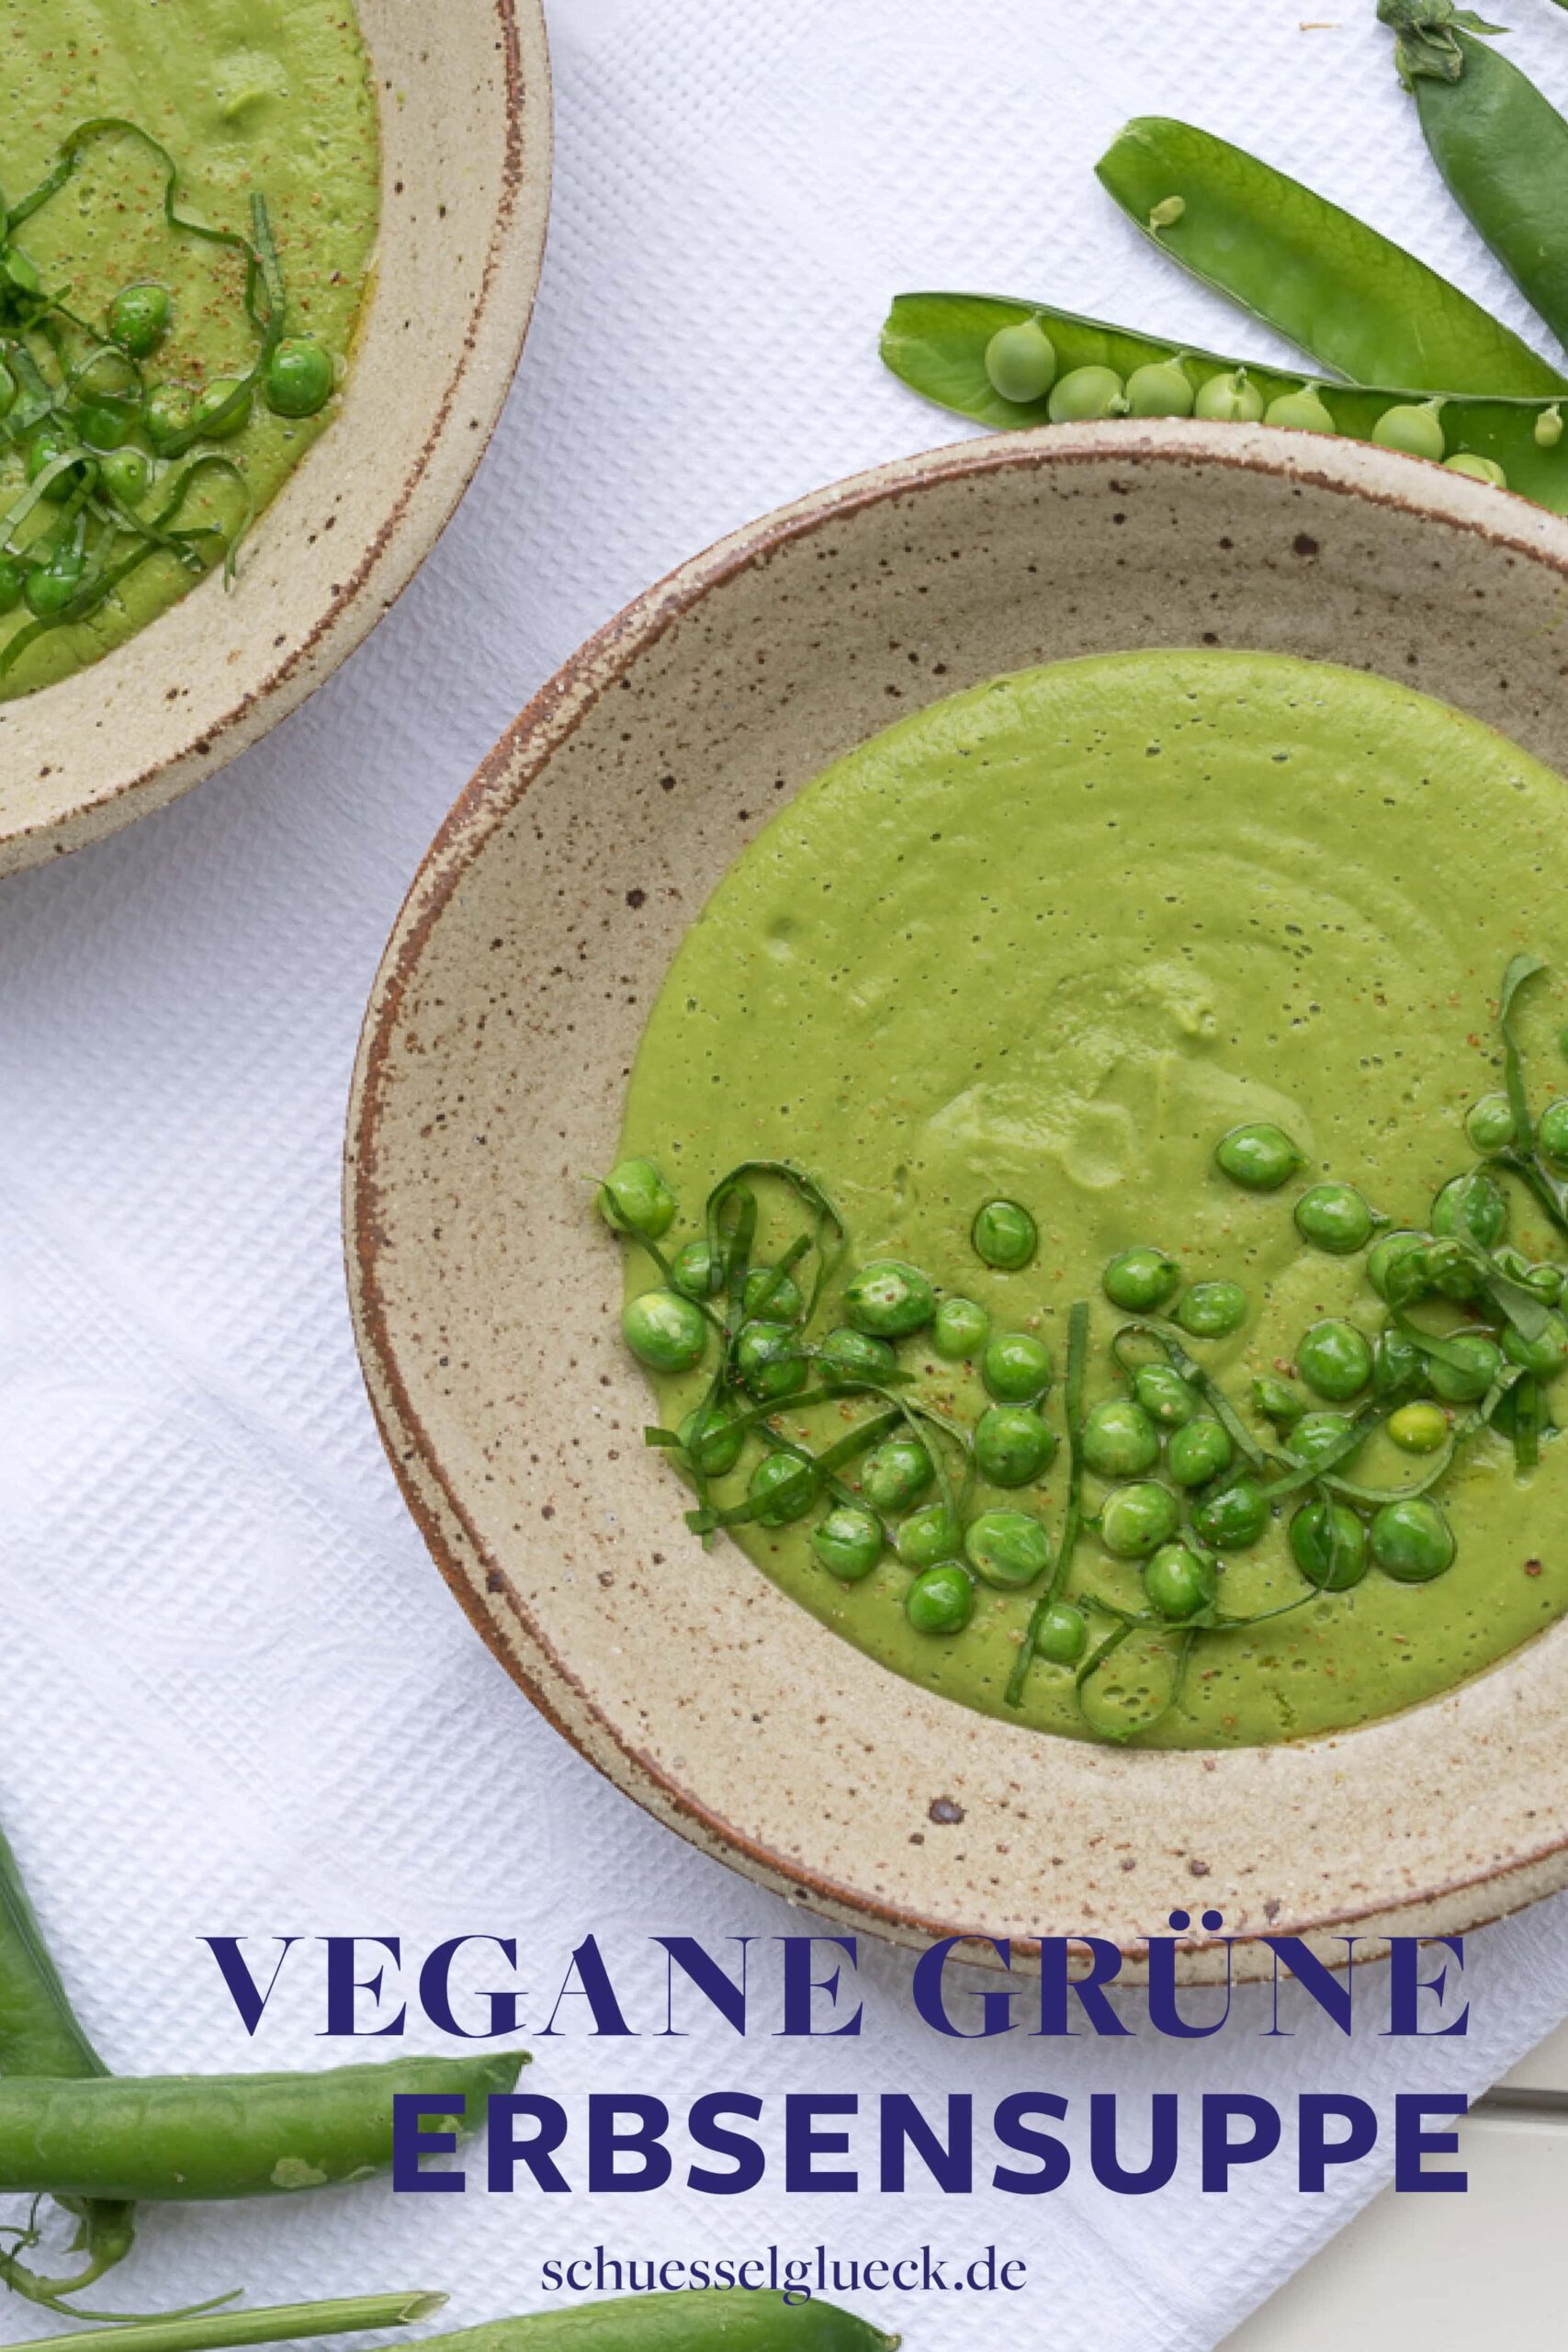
x,y
202,2136
1363,307
936,343
1498,143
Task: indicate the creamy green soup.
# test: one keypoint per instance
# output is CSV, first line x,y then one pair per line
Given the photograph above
x,y
117,496
1049,941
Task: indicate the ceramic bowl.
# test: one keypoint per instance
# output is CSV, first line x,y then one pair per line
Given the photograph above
x,y
490,1081
466,172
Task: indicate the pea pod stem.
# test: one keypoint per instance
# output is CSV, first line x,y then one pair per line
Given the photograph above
x,y
271,2324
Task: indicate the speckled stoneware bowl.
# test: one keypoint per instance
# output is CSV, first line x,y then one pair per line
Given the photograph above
x,y
466,173
491,1078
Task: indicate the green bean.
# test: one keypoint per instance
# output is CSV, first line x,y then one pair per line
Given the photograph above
x,y
1498,143
935,343
1363,307
270,2324
186,2137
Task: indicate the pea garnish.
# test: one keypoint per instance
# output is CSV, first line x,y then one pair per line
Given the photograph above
x,y
1178,1582
783,1487
1335,1218
1199,1452
1320,1437
1141,1281
1062,1633
1013,1446
664,1330
1489,1124
140,318
769,1360
1134,1521
941,1599
300,377
1260,1156
1007,1548
712,1440
1005,1236
849,1543
1419,1428
1474,1207
1411,1541
896,1475
1234,1518
1212,1310
930,1535
1165,1397
960,1328
1016,1367
889,1299
1276,1400
848,1359
1119,1440
634,1198
1467,1368
1330,1545
1335,1359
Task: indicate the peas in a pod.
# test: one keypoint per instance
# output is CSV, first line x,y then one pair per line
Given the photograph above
x,y
959,1330
1470,1208
12,581
1141,1281
1119,1439
1489,1124
1233,1519
1012,1445
301,378
1212,1310
664,1331
1335,1359
126,475
1549,428
140,318
1178,1582
1160,387
1479,468
1229,399
848,1543
711,1440
848,1359
1021,361
929,1535
1330,1545
783,1487
889,1299
1399,1366
1276,1400
773,1296
1395,1265
1086,394
1316,1437
1007,1548
1419,1428
1471,1361
1415,427
896,1475
1135,1520
1411,1541
769,1361
1016,1368
1335,1218
1259,1156
634,1198
1062,1635
941,1599
1005,1236
1551,1132
50,585
1545,1354
1303,412
222,409
1165,1397
1199,1452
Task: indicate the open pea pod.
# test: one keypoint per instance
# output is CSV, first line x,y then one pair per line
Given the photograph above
x,y
936,343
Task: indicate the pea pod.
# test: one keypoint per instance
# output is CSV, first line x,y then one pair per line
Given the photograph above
x,y
1363,307
1498,143
217,2331
936,345
184,2137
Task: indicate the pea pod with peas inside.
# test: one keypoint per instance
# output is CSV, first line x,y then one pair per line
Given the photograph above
x,y
937,343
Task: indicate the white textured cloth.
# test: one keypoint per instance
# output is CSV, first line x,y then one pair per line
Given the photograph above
x,y
237,1695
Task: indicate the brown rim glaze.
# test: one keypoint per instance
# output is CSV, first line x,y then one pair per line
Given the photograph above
x,y
1341,552
201,685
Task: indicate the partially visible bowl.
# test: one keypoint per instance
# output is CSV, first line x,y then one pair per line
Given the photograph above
x,y
491,1080
465,176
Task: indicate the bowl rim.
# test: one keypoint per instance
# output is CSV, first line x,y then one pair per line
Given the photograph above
x,y
515,763
426,499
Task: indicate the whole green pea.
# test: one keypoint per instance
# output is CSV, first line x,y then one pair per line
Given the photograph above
x,y
1551,1131
106,424
1330,1545
1135,1520
1545,1355
1178,1582
1419,1428
1484,470
889,1299
1489,1124
1395,1265
1229,399
13,581
1141,1280
766,1292
1160,387
49,586
1233,1519
167,416
1473,1207
1259,1155
848,1543
1119,1439
691,1269
1004,1235
1086,394
929,1535
1475,1364
664,1330
127,475
848,1359
769,1360
1415,427
1335,1359
783,1487
1165,1397
1398,1364
941,1599
1411,1541
1212,1310
300,377
1199,1452
959,1330
1007,1548
634,1198
1276,1400
222,409
1012,1445
1335,1218
1549,428
1021,361
140,318
1301,412
1016,1367
1062,1635
1319,1436
47,443
896,1475
711,1440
